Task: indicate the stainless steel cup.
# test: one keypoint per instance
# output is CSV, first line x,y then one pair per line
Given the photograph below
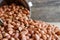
x,y
19,2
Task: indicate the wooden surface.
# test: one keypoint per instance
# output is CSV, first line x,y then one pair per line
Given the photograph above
x,y
55,23
46,10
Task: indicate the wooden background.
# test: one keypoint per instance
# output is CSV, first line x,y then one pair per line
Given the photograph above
x,y
46,10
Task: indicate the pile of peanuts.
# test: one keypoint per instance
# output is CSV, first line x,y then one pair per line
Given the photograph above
x,y
17,25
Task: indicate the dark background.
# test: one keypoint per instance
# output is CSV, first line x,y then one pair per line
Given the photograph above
x,y
46,10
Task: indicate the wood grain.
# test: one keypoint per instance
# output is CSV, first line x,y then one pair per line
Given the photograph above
x,y
46,10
